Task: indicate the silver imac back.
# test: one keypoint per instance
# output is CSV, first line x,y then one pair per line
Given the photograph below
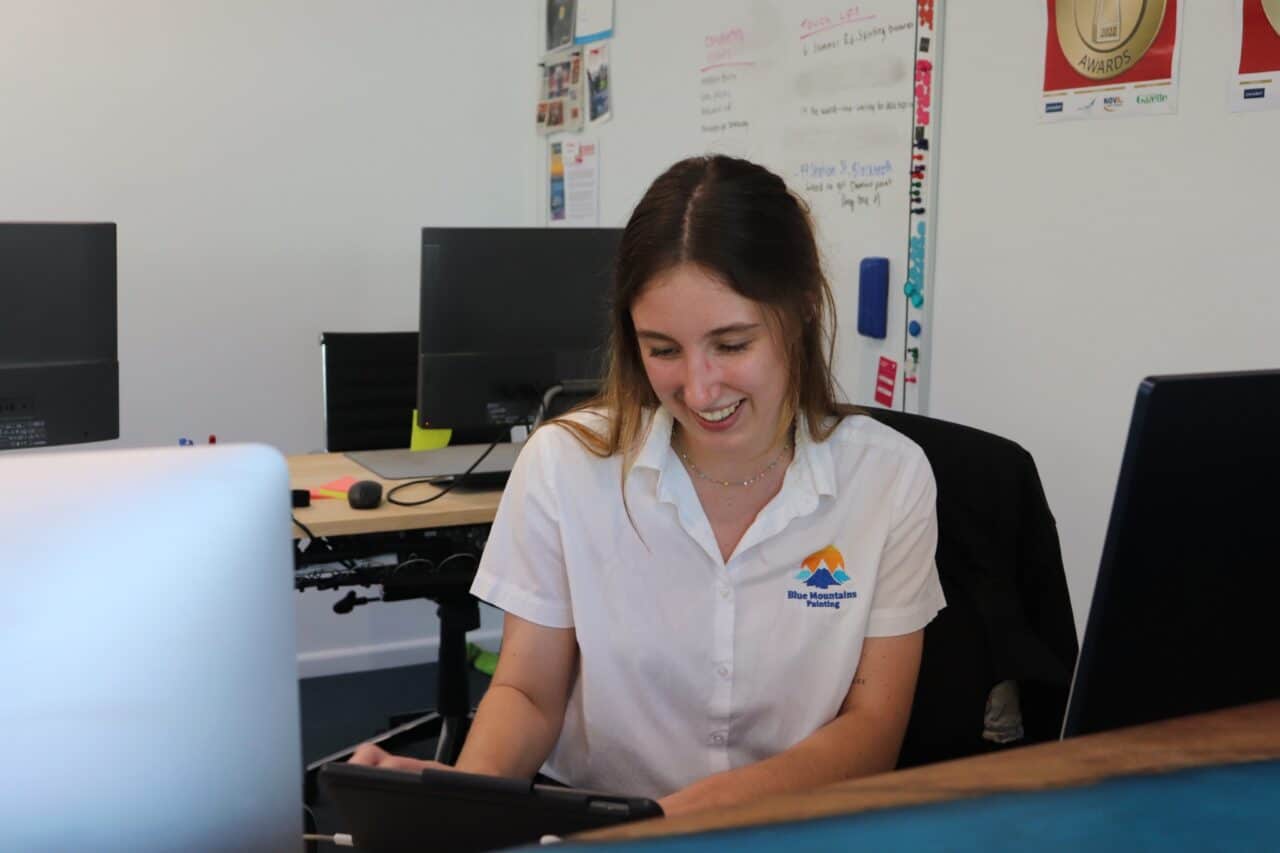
x,y
148,649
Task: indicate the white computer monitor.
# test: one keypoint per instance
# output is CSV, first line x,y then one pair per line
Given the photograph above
x,y
148,650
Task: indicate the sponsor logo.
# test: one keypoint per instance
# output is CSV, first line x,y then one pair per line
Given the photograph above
x,y
1152,99
819,572
1084,108
1111,103
1250,94
1053,107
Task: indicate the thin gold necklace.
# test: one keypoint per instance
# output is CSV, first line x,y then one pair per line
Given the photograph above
x,y
747,482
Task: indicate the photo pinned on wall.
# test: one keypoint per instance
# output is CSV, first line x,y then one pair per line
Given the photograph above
x,y
560,99
599,92
1252,85
561,15
1110,59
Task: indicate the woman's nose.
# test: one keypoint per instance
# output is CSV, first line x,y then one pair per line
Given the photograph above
x,y
701,383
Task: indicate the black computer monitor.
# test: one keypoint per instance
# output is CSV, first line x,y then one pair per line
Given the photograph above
x,y
59,377
505,315
1186,610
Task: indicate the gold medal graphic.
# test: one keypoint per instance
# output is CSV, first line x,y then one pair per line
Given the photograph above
x,y
1271,8
1104,38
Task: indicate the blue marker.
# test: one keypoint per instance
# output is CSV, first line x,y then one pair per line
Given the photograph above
x,y
913,328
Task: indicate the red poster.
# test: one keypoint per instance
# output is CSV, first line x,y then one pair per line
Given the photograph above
x,y
1260,42
1109,42
886,378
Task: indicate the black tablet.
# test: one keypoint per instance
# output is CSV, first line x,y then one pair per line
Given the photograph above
x,y
392,811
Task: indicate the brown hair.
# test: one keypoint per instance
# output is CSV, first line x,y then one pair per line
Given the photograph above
x,y
739,223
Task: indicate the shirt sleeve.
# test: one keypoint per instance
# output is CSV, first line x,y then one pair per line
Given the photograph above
x,y
522,570
908,593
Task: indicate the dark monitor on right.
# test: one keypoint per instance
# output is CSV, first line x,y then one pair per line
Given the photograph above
x,y
506,314
59,374
1186,610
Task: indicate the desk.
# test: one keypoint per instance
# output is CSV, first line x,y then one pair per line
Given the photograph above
x,y
1248,733
427,540
333,517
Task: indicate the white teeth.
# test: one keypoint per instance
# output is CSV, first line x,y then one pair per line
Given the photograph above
x,y
720,414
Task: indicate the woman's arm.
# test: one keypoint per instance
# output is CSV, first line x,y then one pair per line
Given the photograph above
x,y
863,739
519,718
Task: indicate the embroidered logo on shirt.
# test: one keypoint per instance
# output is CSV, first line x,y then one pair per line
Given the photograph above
x,y
820,571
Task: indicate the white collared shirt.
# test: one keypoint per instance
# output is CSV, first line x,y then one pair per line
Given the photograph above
x,y
690,665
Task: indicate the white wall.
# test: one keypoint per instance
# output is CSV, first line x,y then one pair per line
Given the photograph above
x,y
269,164
1075,259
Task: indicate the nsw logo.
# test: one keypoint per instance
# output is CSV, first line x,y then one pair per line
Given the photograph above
x,y
819,572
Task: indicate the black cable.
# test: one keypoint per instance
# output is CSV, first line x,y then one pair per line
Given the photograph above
x,y
302,527
348,564
458,480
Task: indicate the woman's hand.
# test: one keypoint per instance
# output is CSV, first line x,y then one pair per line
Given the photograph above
x,y
374,756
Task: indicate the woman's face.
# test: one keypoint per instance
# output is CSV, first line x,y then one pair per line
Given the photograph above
x,y
714,360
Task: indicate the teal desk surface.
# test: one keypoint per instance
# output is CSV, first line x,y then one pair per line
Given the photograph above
x,y
1203,782
1234,807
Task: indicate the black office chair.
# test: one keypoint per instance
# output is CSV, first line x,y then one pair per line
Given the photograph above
x,y
998,659
370,389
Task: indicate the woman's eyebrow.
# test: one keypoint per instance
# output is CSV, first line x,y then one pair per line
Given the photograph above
x,y
732,328
645,333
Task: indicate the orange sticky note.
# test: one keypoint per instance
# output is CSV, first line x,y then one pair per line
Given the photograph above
x,y
335,489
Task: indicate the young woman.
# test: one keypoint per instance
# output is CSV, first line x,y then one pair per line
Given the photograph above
x,y
716,577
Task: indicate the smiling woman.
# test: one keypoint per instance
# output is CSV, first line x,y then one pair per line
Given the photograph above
x,y
712,537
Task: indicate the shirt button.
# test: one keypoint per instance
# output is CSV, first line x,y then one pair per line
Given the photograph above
x,y
718,738
725,592
722,671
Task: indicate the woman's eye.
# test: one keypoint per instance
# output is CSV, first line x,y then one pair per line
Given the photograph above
x,y
662,352
738,347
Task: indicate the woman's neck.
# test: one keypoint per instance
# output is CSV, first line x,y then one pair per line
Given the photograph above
x,y
731,466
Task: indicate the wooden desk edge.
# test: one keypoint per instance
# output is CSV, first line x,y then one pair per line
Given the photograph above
x,y
1231,736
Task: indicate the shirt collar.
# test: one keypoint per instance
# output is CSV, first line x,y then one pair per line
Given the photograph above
x,y
816,457
657,442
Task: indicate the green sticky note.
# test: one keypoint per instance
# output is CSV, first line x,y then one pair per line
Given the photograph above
x,y
428,439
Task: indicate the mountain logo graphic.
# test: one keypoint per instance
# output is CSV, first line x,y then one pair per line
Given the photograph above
x,y
823,568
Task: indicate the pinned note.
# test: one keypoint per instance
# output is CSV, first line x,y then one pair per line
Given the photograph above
x,y
886,381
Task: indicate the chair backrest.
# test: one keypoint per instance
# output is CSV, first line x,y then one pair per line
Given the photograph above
x,y
1008,616
370,389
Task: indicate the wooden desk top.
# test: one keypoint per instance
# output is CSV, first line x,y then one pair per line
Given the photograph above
x,y
333,517
1248,733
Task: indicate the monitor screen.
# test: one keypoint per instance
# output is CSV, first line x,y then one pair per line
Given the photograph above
x,y
505,315
1183,614
59,377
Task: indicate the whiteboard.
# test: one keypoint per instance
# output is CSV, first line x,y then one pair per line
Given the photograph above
x,y
834,97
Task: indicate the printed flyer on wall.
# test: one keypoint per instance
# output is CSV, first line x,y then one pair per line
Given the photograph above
x,y
573,191
1254,80
1110,59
